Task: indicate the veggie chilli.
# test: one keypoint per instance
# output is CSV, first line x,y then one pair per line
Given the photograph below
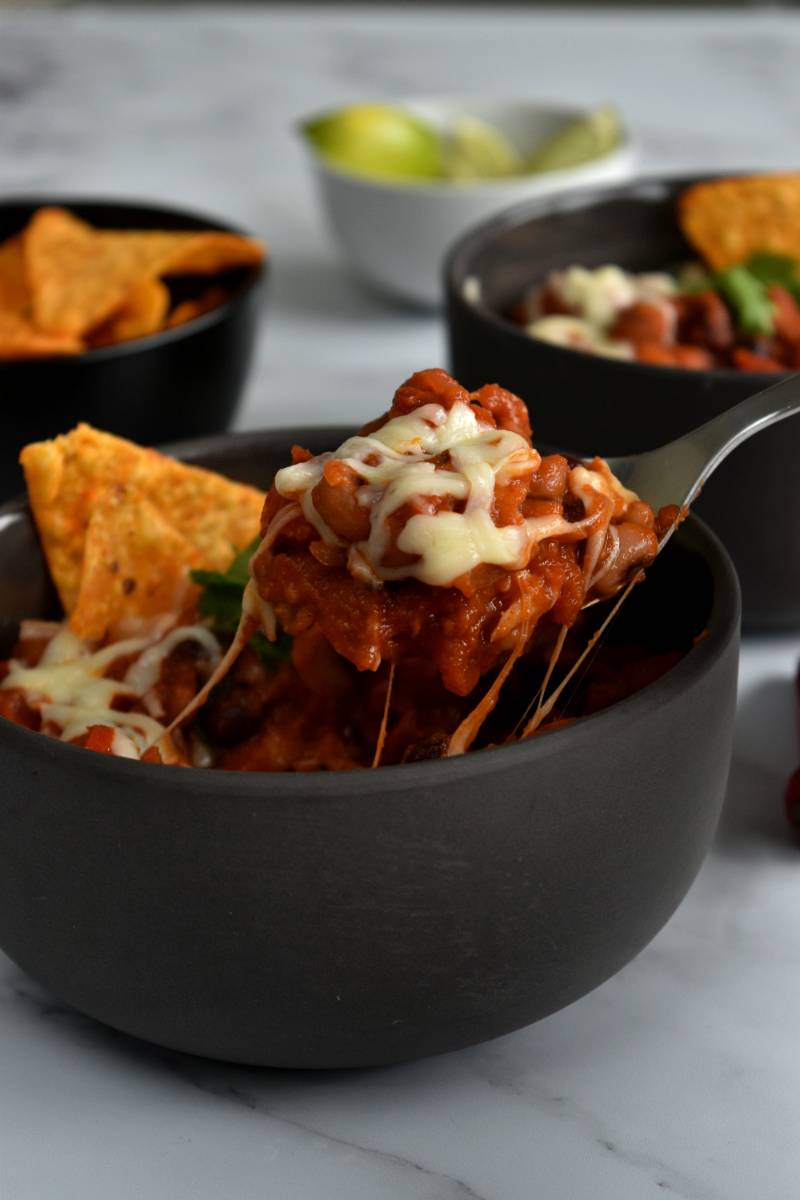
x,y
746,317
738,308
408,595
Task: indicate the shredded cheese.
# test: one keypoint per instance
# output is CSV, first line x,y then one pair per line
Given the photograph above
x,y
432,452
73,691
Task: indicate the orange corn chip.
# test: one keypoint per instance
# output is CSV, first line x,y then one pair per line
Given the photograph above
x,y
20,340
14,294
80,276
66,476
211,253
728,220
135,564
143,312
187,310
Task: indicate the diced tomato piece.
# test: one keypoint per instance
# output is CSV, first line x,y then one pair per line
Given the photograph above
x,y
100,738
646,321
746,360
14,707
693,358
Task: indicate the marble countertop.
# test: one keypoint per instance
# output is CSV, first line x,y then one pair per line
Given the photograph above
x,y
680,1076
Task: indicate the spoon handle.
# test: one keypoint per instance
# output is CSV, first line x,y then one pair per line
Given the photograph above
x,y
717,438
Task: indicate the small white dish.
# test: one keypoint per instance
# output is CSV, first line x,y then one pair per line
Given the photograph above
x,y
396,234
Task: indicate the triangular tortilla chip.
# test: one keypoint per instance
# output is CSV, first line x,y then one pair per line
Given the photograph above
x,y
19,340
143,312
729,220
211,253
66,476
80,276
135,564
14,294
188,310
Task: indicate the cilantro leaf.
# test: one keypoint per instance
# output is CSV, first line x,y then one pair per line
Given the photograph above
x,y
272,654
221,598
776,268
221,601
747,296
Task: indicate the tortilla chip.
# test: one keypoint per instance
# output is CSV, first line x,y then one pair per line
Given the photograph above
x,y
211,253
728,220
80,276
14,294
187,310
66,476
143,312
135,564
20,340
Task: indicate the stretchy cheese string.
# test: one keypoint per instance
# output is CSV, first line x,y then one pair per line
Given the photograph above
x,y
468,730
384,720
538,697
545,709
256,614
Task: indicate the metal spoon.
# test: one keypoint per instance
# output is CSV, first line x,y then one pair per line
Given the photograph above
x,y
675,473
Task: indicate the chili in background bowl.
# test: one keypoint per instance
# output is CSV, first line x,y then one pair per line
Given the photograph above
x,y
363,917
586,404
185,380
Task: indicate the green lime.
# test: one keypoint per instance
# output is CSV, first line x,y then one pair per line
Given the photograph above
x,y
474,149
578,142
377,140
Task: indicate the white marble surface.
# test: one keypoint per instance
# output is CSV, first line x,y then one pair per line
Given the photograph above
x,y
681,1075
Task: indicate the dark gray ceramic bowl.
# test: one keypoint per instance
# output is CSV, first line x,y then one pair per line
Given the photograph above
x,y
593,405
332,920
186,380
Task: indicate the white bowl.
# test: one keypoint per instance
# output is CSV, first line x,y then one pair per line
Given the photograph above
x,y
397,234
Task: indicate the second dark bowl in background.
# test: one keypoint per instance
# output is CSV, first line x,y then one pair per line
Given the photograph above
x,y
592,405
184,382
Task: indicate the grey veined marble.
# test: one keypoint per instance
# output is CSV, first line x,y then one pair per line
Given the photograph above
x,y
681,1076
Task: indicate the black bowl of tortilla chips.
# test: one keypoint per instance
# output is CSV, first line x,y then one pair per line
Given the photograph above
x,y
134,317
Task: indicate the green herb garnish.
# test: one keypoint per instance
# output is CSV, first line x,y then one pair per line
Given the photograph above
x,y
221,602
747,296
776,268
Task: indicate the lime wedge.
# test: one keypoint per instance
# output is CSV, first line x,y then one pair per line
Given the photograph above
x,y
474,149
577,142
377,140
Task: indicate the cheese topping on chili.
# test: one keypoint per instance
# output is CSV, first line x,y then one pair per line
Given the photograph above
x,y
435,452
73,692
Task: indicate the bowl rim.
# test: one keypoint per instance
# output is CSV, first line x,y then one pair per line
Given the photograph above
x,y
251,281
455,267
722,627
561,179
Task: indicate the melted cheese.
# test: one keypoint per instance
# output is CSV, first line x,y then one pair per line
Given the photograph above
x,y
402,463
576,333
599,295
73,692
